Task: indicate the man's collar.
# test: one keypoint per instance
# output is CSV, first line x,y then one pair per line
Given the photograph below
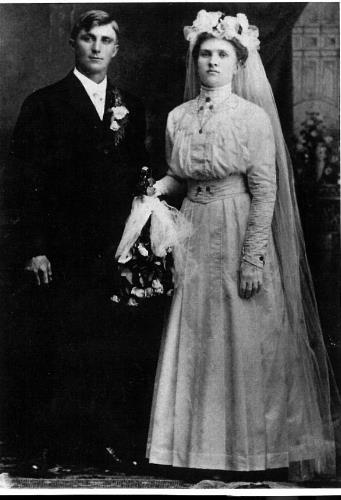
x,y
90,85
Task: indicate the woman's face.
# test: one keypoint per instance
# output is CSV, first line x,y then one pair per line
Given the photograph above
x,y
217,62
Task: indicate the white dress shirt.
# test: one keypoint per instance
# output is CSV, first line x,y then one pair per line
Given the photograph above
x,y
96,91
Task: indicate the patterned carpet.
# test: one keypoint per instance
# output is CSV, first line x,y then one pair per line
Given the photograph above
x,y
119,482
91,478
87,482
88,477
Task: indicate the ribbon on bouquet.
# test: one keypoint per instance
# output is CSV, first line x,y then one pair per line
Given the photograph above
x,y
168,230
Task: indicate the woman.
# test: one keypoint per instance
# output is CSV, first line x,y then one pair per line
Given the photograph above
x,y
242,382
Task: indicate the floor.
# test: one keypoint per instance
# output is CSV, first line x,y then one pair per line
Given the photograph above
x,y
12,476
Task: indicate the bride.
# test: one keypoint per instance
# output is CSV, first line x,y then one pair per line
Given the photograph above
x,y
243,381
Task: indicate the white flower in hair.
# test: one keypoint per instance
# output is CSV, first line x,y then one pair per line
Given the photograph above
x,y
205,21
243,22
229,27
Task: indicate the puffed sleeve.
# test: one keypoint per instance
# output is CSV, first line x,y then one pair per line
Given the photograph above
x,y
170,184
261,177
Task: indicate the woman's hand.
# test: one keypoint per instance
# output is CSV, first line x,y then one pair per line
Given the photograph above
x,y
151,191
250,280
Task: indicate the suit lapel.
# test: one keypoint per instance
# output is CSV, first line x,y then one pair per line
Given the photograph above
x,y
109,103
109,95
75,95
78,99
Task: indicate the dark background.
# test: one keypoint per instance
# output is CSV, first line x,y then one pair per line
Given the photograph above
x,y
34,52
151,61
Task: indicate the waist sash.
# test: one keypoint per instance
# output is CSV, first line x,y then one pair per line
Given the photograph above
x,y
207,191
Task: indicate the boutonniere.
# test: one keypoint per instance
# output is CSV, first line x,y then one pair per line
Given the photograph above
x,y
119,116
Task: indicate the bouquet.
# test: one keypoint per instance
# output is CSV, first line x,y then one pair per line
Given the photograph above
x,y
151,248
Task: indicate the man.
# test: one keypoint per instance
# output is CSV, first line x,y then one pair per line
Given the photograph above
x,y
77,148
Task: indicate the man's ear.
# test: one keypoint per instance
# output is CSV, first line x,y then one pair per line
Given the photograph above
x,y
72,43
115,51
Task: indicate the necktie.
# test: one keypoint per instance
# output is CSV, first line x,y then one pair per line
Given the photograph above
x,y
99,104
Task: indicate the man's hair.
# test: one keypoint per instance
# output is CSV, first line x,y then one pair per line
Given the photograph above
x,y
92,18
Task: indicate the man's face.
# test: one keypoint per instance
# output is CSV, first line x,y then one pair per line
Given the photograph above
x,y
94,50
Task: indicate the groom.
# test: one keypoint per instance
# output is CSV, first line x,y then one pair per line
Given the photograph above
x,y
77,148
81,144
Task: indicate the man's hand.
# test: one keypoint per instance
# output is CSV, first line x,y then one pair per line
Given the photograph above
x,y
250,280
41,267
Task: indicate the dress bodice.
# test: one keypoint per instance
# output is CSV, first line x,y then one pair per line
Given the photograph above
x,y
216,135
220,138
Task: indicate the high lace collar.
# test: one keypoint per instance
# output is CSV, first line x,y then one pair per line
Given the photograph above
x,y
216,94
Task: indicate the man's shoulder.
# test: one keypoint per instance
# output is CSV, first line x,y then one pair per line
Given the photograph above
x,y
44,96
50,90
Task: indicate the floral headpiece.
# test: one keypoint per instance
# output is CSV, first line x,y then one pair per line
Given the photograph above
x,y
222,26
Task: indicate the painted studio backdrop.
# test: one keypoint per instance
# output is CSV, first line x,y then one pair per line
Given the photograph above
x,y
299,48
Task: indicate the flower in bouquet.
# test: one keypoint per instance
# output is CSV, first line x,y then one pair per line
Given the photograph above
x,y
144,275
157,286
142,250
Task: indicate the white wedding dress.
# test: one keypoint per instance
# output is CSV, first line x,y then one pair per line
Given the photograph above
x,y
230,390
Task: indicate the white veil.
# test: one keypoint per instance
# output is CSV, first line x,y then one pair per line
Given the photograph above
x,y
323,400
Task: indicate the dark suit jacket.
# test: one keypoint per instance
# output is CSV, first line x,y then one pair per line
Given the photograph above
x,y
73,184
88,363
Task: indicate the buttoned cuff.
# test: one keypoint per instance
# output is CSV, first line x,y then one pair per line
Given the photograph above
x,y
254,260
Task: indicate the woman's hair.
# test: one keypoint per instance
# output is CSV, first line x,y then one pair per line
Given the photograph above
x,y
92,18
241,51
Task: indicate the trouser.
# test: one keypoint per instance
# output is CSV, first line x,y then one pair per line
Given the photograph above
x,y
82,368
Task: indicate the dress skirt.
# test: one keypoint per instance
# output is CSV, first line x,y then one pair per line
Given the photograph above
x,y
228,393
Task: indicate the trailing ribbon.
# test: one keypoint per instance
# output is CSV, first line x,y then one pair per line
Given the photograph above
x,y
168,230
